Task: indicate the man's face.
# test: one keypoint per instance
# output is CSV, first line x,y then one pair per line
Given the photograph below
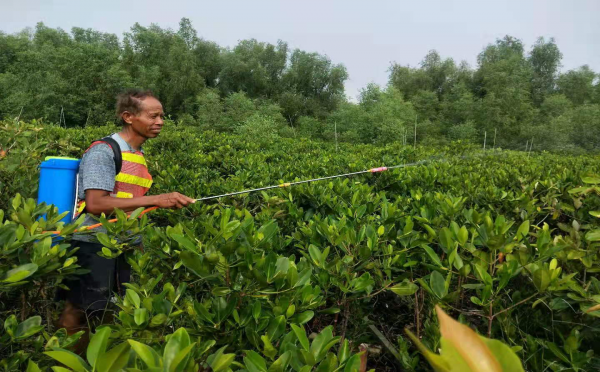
x,y
149,122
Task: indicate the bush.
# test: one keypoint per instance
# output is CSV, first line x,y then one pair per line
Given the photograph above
x,y
502,241
465,132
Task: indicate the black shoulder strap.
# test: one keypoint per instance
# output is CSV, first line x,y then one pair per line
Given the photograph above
x,y
116,151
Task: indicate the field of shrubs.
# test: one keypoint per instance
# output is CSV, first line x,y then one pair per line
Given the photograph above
x,y
320,276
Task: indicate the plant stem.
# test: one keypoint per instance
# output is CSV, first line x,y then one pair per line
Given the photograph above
x,y
23,307
490,319
345,321
417,315
515,305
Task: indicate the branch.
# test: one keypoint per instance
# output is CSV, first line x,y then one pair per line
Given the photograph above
x,y
515,305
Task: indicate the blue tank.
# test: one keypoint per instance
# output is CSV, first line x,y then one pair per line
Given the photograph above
x,y
58,184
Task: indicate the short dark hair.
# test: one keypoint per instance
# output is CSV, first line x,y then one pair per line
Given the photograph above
x,y
131,101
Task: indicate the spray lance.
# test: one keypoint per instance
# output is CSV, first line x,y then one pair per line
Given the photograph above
x,y
248,191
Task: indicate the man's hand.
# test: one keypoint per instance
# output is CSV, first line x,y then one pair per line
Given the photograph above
x,y
173,200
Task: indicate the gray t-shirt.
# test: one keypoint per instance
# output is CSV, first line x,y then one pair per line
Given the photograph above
x,y
97,171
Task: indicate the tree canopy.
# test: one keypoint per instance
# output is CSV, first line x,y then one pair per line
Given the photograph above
x,y
72,78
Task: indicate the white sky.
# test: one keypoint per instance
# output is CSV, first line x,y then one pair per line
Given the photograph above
x,y
365,36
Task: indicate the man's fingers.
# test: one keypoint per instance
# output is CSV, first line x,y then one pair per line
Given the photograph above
x,y
185,200
180,200
176,200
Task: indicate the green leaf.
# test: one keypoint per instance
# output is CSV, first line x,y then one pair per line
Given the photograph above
x,y
344,351
115,359
291,310
181,359
268,349
353,364
316,255
10,325
541,279
98,345
304,317
219,361
281,267
463,235
254,362
177,342
104,240
136,213
330,363
303,277
29,327
61,369
451,354
146,353
438,284
446,240
595,213
405,288
16,202
19,273
194,263
594,180
331,310
523,230
256,310
556,351
184,242
276,327
363,283
431,253
69,359
593,235
317,347
509,361
140,316
301,335
133,298
32,367
158,319
281,363
436,361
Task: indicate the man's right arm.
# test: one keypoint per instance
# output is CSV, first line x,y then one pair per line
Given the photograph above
x,y
98,175
100,201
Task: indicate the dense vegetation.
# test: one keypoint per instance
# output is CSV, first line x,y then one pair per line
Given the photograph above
x,y
513,96
505,241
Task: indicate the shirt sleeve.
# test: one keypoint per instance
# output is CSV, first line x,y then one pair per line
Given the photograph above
x,y
97,168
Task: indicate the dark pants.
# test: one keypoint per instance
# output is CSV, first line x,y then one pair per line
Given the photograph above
x,y
92,291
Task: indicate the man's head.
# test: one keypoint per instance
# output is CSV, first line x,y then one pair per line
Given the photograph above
x,y
142,110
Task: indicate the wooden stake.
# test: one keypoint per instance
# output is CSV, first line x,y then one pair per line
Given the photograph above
x,y
20,112
484,139
336,142
530,147
416,118
495,138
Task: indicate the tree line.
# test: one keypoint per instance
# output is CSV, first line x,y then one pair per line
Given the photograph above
x,y
512,96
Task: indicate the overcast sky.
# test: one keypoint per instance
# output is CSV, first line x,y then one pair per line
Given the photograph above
x,y
365,36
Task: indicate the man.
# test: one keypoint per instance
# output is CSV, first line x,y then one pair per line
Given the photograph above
x,y
101,190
